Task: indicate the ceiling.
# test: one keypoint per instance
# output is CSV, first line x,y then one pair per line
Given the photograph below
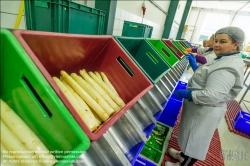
x,y
223,5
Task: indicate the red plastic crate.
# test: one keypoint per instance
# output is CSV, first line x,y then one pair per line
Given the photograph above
x,y
173,48
52,52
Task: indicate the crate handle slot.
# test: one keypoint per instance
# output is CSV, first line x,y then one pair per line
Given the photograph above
x,y
133,26
173,49
125,66
41,4
27,85
165,52
140,162
247,115
152,57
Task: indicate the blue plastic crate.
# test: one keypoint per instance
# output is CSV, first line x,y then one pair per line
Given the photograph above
x,y
242,122
181,83
140,161
134,152
173,97
168,118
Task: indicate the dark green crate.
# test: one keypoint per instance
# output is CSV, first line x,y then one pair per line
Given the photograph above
x,y
63,16
133,29
149,61
164,51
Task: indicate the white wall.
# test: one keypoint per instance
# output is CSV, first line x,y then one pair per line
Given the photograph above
x,y
132,11
9,12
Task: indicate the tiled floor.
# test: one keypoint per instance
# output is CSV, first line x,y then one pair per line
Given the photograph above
x,y
235,148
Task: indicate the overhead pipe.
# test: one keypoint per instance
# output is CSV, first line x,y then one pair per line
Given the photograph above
x,y
238,11
156,5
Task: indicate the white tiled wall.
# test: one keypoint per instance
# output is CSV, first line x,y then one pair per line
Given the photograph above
x,y
122,15
9,12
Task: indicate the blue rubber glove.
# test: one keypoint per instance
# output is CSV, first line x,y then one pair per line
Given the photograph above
x,y
184,93
192,61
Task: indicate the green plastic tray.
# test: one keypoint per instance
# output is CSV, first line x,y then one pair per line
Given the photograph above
x,y
149,61
63,16
164,51
154,147
28,93
179,46
186,44
133,29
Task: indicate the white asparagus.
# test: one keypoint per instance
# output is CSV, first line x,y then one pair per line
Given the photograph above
x,y
85,96
98,75
73,101
7,158
106,80
112,94
24,133
12,143
66,84
85,107
98,88
82,103
94,94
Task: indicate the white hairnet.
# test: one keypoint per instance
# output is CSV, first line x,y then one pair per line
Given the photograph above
x,y
235,33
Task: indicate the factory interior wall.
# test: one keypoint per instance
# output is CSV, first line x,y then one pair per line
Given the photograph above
x,y
132,11
9,12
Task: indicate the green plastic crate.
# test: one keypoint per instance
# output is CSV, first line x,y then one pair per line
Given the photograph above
x,y
186,44
149,61
27,92
133,29
155,145
63,16
164,51
179,46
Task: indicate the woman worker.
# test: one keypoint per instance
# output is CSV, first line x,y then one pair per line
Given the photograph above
x,y
208,90
205,55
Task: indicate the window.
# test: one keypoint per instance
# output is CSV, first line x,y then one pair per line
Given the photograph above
x,y
212,22
243,22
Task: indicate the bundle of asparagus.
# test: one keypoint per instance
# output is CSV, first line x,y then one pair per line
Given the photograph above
x,y
92,96
17,137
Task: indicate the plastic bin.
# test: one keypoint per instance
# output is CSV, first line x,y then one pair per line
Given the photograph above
x,y
170,113
181,85
242,122
173,48
164,51
154,146
145,57
183,44
190,44
63,16
140,161
133,29
26,91
53,52
186,44
179,46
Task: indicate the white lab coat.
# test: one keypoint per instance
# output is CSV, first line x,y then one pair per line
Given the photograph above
x,y
212,86
209,55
